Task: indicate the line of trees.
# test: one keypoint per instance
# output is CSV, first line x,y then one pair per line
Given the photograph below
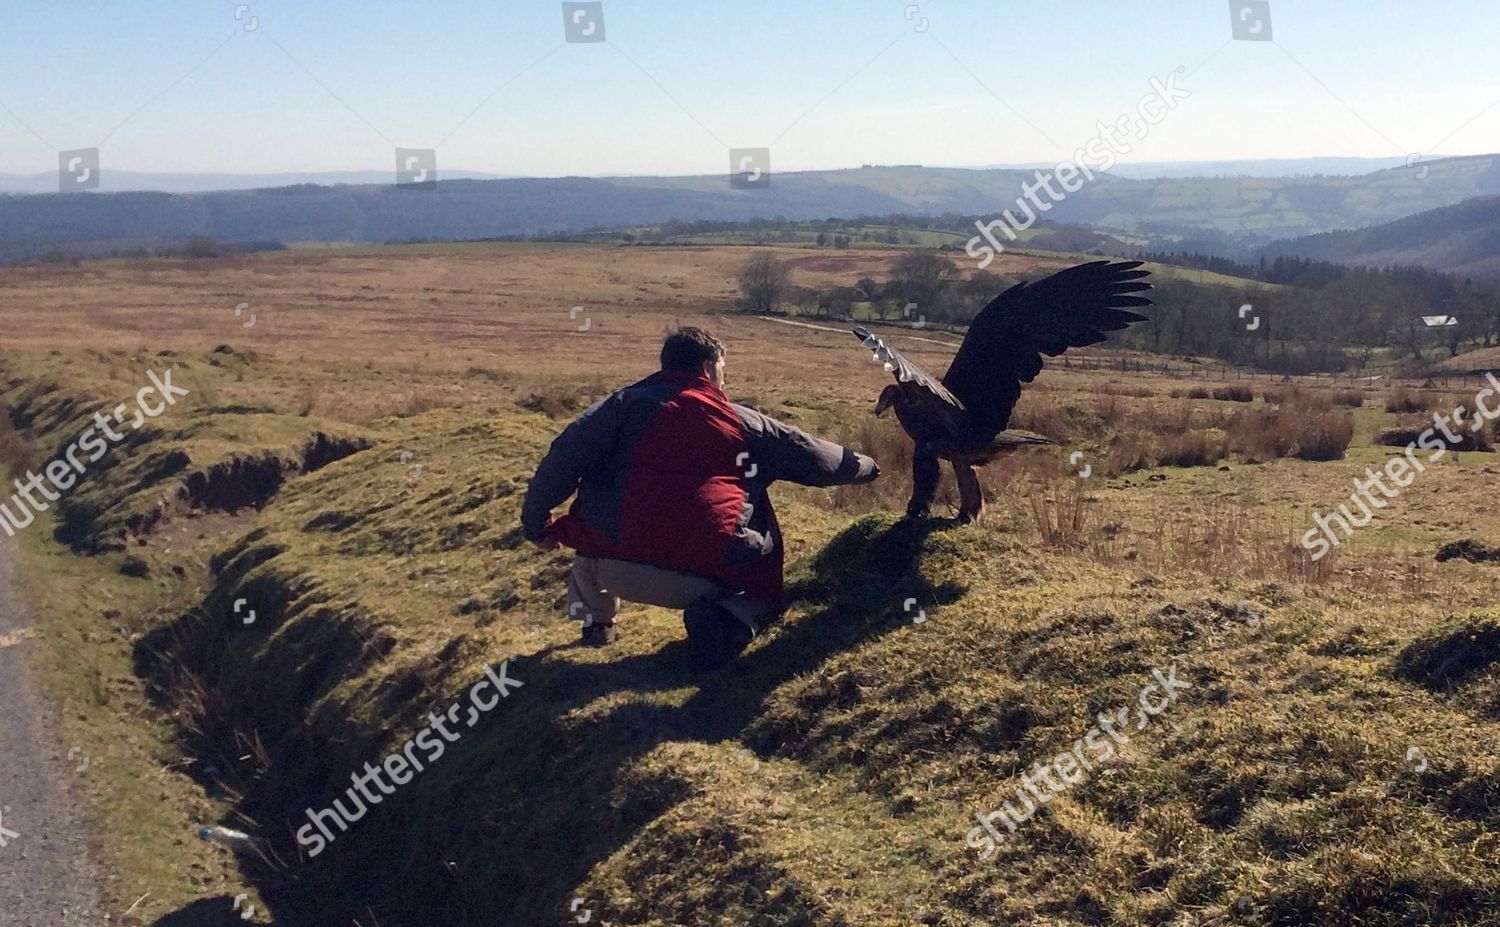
x,y
1317,318
194,248
1329,315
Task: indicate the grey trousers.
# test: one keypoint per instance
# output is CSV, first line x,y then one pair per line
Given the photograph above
x,y
596,586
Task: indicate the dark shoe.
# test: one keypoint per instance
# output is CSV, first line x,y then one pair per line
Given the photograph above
x,y
598,635
715,635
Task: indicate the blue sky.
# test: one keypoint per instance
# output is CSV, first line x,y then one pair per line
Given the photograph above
x,y
181,86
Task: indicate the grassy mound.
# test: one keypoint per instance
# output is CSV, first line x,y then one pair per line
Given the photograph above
x,y
196,457
1468,549
831,776
1451,658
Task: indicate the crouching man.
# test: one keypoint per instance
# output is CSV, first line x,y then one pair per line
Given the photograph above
x,y
671,506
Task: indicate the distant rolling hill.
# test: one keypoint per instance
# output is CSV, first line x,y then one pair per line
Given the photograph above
x,y
113,181
118,181
1241,210
1462,239
1257,167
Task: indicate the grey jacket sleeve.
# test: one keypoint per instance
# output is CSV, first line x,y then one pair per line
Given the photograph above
x,y
583,446
781,452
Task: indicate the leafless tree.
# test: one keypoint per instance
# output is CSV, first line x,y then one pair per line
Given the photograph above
x,y
764,282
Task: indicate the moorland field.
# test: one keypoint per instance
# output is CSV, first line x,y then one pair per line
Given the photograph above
x,y
351,466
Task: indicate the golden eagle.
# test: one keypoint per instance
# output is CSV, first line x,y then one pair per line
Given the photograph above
x,y
962,419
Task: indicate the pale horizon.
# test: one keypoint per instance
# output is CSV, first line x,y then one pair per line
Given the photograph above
x,y
190,89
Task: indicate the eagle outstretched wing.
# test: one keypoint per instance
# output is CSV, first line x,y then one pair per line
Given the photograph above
x,y
907,373
1004,347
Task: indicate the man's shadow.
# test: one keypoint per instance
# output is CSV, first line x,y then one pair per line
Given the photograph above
x,y
538,757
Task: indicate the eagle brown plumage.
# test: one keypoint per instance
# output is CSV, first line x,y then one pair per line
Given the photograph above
x,y
962,418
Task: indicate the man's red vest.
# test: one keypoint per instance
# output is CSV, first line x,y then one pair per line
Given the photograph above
x,y
685,497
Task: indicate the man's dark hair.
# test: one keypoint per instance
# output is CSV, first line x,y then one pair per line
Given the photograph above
x,y
688,350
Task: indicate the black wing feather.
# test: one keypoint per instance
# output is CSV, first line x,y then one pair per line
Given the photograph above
x,y
1072,308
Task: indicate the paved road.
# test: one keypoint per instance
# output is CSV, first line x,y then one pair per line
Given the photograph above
x,y
46,878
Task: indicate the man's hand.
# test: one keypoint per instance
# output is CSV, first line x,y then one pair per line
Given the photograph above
x,y
542,538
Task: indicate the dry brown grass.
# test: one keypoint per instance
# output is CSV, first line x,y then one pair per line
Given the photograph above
x,y
882,439
1141,450
1061,512
1297,398
1135,391
504,309
563,399
1225,540
1129,453
1219,540
1322,399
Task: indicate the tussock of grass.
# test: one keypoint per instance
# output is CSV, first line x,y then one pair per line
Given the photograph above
x,y
1402,399
1406,434
1194,449
1468,549
1234,394
1292,429
1447,660
1297,398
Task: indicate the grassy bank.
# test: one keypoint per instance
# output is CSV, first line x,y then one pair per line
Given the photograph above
x,y
831,776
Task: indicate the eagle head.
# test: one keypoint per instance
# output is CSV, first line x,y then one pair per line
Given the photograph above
x,y
888,397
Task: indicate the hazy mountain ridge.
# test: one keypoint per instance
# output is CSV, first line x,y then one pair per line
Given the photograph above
x,y
1462,239
114,181
1244,211
1260,167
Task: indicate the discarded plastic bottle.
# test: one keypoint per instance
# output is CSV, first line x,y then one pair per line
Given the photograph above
x,y
234,840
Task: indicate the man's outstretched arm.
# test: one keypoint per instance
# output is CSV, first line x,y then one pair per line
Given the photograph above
x,y
582,447
781,452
